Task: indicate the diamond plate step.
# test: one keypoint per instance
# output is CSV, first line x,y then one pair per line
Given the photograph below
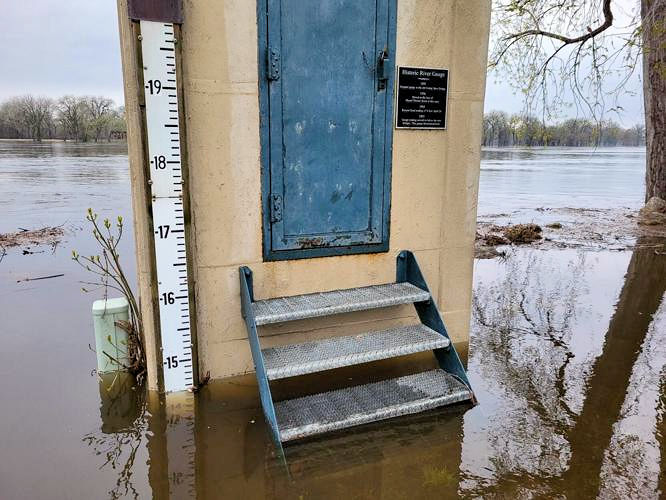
x,y
342,408
326,354
313,305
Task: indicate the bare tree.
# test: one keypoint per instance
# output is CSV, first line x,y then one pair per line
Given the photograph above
x,y
496,129
117,124
69,117
577,52
500,129
35,114
100,112
72,117
10,126
637,135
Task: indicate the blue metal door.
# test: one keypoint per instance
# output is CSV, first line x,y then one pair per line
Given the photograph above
x,y
326,69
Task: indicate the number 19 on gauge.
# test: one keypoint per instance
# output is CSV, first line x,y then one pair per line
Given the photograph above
x,y
166,184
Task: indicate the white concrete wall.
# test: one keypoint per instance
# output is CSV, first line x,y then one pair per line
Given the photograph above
x,y
434,184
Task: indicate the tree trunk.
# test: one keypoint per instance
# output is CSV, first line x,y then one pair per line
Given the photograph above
x,y
653,14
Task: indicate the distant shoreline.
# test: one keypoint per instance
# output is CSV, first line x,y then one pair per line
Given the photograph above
x,y
616,146
68,141
124,141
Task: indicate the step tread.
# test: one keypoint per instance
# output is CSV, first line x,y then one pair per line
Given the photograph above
x,y
342,408
314,305
309,357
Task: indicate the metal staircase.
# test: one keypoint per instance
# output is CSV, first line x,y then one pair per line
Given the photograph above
x,y
328,411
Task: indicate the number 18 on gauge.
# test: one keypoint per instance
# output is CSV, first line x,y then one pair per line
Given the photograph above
x,y
158,49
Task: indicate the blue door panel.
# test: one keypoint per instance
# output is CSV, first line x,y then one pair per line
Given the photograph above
x,y
326,123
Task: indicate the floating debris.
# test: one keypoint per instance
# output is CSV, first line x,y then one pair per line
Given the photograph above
x,y
495,240
587,228
44,236
522,233
41,278
482,251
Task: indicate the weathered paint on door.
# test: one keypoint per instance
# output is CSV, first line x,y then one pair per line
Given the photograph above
x,y
326,70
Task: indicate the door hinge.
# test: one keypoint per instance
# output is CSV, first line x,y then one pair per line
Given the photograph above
x,y
273,62
276,208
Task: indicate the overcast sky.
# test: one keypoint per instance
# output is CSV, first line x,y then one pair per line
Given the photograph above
x,y
56,47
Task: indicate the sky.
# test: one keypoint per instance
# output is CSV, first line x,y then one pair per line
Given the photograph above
x,y
501,96
57,47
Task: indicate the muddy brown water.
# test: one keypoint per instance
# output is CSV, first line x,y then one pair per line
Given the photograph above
x,y
567,357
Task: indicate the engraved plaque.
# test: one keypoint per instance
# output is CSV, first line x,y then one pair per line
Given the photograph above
x,y
422,94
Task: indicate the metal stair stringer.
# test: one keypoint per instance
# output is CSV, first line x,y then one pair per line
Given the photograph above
x,y
247,297
318,413
407,270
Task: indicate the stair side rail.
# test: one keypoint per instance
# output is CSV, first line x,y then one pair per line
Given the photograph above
x,y
407,270
247,298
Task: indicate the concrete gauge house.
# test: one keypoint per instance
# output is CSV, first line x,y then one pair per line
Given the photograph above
x,y
315,146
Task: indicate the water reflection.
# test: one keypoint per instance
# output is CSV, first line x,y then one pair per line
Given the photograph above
x,y
123,425
608,387
530,327
533,369
634,445
232,456
49,150
568,361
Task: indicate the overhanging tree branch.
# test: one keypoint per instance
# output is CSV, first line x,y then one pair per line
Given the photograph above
x,y
591,33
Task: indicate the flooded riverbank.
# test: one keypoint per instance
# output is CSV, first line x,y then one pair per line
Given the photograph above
x,y
566,357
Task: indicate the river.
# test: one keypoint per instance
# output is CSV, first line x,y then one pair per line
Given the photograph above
x,y
567,356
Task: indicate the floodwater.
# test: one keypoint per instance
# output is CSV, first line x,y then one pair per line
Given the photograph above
x,y
566,357
516,179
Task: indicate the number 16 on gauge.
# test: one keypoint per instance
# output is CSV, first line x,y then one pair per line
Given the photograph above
x,y
172,291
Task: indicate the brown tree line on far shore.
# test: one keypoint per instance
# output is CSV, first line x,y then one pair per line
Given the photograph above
x,y
501,129
97,118
76,118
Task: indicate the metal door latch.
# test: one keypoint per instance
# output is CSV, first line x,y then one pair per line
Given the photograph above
x,y
382,69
